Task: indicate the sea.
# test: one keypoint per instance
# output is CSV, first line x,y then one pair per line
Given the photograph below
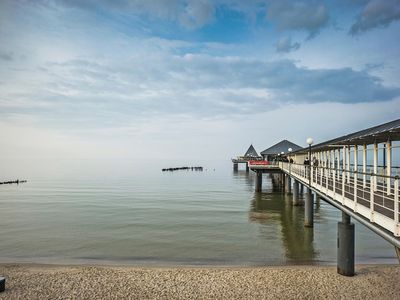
x,y
132,213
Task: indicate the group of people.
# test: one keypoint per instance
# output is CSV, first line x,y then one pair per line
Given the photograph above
x,y
284,159
307,161
314,161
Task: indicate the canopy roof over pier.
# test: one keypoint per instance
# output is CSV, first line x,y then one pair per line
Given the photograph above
x,y
280,147
378,134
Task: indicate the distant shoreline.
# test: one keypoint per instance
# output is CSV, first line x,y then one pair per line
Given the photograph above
x,y
35,281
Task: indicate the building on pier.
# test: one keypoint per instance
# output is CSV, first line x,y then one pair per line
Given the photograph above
x,y
250,155
271,153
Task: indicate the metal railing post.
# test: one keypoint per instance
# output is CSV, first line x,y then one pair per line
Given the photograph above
x,y
311,174
396,207
326,183
375,164
371,201
388,166
343,183
348,164
355,191
334,183
364,166
321,172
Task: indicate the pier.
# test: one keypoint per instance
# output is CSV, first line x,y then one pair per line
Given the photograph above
x,y
356,173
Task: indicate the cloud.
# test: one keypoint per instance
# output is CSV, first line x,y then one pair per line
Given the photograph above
x,y
376,13
92,73
191,14
310,15
197,13
9,56
285,45
114,93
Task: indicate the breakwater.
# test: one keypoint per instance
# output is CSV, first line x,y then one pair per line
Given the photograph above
x,y
183,168
13,181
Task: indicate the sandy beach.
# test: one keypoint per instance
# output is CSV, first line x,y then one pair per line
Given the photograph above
x,y
30,281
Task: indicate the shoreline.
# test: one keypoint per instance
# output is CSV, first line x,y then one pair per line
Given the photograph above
x,y
49,281
186,263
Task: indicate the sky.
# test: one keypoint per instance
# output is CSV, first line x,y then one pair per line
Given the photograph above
x,y
191,80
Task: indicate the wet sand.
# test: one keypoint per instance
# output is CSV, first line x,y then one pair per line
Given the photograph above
x,y
30,281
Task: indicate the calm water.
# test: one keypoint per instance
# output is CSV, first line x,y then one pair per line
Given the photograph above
x,y
145,216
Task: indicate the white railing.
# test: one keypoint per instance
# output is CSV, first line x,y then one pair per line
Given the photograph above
x,y
376,197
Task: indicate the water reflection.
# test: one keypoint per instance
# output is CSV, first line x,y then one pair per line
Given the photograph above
x,y
248,178
271,207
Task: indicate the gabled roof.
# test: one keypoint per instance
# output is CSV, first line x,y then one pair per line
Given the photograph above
x,y
280,147
251,151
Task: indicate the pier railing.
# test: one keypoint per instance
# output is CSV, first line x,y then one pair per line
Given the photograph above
x,y
374,196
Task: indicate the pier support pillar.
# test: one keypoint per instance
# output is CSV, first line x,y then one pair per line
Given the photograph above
x,y
279,181
345,244
318,200
283,186
288,184
258,181
301,188
2,284
235,167
295,192
309,209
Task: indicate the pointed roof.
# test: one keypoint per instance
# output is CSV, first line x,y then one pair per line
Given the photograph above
x,y
280,147
251,151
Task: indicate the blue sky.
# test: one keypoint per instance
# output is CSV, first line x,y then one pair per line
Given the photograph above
x,y
191,79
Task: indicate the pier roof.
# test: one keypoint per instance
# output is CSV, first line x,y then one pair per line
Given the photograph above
x,y
280,147
389,131
251,152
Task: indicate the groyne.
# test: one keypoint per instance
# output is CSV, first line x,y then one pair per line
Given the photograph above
x,y
13,181
183,168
